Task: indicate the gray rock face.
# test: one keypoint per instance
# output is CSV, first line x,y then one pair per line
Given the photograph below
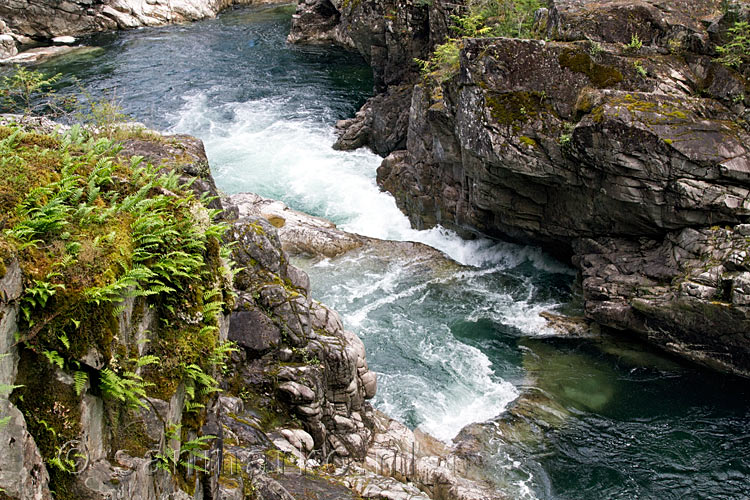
x,y
687,292
381,124
22,471
389,34
560,159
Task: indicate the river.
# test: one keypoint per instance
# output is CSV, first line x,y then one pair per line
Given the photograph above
x,y
452,345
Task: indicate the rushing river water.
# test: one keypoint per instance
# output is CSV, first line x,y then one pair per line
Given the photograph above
x,y
452,344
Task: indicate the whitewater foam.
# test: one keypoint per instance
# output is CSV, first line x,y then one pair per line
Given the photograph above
x,y
431,379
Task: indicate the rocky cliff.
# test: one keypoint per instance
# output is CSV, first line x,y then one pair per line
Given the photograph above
x,y
609,142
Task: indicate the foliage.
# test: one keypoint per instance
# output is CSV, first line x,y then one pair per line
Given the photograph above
x,y
185,453
485,18
127,387
105,114
640,69
635,43
27,92
736,51
90,230
444,62
30,92
6,389
509,18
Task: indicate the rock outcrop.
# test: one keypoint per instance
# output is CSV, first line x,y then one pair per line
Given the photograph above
x,y
615,135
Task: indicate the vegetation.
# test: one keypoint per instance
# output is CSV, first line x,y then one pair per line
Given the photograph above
x,y
19,91
104,240
484,18
736,52
635,43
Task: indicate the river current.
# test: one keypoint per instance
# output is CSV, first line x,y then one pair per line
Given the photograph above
x,y
452,345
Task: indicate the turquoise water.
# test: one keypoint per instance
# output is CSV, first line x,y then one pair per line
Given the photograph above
x,y
453,344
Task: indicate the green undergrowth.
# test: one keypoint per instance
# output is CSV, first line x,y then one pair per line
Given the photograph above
x,y
125,277
480,19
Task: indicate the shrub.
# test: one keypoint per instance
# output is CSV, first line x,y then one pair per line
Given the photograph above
x,y
736,51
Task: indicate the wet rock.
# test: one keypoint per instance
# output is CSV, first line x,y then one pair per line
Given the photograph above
x,y
381,124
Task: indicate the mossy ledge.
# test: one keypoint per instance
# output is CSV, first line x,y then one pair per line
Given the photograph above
x,y
125,280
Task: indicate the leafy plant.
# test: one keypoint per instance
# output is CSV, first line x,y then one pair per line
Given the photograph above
x,y
485,18
510,18
736,51
595,48
126,387
635,43
640,69
197,383
27,91
184,454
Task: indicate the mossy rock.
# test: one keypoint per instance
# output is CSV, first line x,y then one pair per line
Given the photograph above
x,y
509,108
600,75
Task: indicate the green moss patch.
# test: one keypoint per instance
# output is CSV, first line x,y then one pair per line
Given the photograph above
x,y
599,75
509,108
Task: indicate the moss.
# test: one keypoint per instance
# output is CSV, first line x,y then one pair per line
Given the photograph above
x,y
127,431
599,75
527,141
6,254
511,107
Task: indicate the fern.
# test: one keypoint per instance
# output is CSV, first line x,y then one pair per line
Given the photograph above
x,y
79,381
128,388
54,358
148,359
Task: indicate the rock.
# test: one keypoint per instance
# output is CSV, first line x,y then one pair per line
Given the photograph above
x,y
381,124
655,22
299,439
512,177
661,290
388,33
64,40
253,330
48,20
269,489
7,46
39,54
22,470
574,141
297,393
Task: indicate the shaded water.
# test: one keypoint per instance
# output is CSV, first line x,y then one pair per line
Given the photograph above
x,y
452,344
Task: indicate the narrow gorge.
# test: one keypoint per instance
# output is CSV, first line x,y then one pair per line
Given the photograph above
x,y
348,268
